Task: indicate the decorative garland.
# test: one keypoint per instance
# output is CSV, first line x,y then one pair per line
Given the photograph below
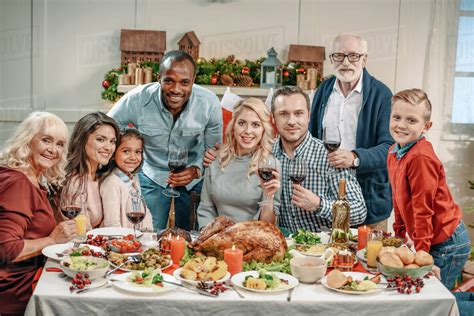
x,y
228,70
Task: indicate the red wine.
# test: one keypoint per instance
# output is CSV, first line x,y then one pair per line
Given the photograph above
x,y
266,174
176,166
71,211
331,146
297,178
135,217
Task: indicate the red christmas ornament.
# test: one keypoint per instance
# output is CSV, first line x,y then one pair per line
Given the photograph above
x,y
286,74
214,80
245,71
105,84
300,70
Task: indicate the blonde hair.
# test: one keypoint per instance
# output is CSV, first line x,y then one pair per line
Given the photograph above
x,y
17,152
414,97
362,42
227,152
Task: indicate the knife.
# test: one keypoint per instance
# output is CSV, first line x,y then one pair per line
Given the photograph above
x,y
202,292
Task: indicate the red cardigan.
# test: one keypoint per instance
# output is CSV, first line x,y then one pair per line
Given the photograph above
x,y
424,207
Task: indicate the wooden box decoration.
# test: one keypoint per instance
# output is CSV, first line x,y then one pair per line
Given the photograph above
x,y
189,43
307,56
141,45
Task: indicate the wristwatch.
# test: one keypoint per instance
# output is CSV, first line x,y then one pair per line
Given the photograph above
x,y
356,161
198,172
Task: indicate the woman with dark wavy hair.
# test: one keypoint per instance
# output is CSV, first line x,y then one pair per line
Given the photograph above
x,y
92,144
34,157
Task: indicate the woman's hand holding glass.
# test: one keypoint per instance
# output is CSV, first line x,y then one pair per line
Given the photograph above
x,y
269,177
64,232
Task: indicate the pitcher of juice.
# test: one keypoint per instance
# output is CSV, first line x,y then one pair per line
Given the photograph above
x,y
374,244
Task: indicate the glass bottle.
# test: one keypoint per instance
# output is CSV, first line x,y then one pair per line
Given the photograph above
x,y
341,211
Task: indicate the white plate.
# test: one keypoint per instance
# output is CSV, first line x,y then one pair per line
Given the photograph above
x,y
355,276
360,254
177,275
121,282
128,270
239,278
53,250
113,231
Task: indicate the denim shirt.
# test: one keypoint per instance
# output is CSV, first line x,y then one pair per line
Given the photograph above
x,y
198,127
401,151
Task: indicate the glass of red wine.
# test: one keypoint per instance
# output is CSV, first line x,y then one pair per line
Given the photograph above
x,y
72,202
136,210
298,170
177,160
331,139
265,168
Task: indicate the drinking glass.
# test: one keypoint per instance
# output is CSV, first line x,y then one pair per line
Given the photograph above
x,y
374,244
298,170
72,203
136,210
177,160
266,167
331,139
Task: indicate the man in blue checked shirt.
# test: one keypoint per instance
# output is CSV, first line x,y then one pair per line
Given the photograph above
x,y
172,113
309,204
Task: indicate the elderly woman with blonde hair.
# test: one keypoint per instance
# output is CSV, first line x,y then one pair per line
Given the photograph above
x,y
232,186
34,156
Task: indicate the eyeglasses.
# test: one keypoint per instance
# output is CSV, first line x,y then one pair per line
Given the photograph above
x,y
352,57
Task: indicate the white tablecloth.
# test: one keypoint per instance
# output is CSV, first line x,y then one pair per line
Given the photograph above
x,y
52,297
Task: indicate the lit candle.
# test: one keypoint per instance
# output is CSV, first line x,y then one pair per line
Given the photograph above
x,y
234,258
177,249
362,234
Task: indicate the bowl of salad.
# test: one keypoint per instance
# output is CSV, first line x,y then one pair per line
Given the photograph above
x,y
95,267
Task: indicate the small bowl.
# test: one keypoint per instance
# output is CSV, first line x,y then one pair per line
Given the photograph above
x,y
308,269
122,250
414,273
94,274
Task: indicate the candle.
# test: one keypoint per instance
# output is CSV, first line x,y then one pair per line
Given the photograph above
x,y
362,235
270,77
234,257
177,249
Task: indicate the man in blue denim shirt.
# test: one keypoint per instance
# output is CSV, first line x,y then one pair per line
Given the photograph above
x,y
172,112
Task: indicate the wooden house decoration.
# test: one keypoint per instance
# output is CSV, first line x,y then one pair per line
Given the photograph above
x,y
307,56
141,45
190,44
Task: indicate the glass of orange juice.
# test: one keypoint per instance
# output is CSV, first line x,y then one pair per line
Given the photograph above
x,y
81,221
374,244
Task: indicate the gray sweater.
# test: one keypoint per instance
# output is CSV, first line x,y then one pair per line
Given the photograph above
x,y
232,193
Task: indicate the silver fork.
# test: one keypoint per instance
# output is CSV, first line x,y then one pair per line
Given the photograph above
x,y
134,259
232,286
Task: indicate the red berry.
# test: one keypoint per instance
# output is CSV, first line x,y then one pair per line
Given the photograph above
x,y
408,291
71,288
79,275
418,289
400,290
87,281
86,275
80,286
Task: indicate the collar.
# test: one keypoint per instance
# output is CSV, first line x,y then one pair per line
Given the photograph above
x,y
401,151
124,177
357,88
298,150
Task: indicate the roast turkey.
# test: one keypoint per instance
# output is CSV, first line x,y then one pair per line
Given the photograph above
x,y
259,240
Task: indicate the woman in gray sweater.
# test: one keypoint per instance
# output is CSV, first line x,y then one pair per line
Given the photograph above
x,y
232,186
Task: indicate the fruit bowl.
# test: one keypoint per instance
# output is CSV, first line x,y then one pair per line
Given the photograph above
x,y
95,267
392,272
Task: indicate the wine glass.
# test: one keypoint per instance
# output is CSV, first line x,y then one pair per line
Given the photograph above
x,y
136,210
265,168
72,202
298,170
177,160
331,139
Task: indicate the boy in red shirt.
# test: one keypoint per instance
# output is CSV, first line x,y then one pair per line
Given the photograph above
x,y
424,207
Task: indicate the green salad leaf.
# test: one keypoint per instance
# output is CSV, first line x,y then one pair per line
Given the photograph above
x,y
306,237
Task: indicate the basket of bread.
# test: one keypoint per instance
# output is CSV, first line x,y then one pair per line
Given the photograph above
x,y
402,261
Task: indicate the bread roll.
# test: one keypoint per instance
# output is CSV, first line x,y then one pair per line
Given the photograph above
x,y
412,266
405,255
386,249
336,279
390,259
422,258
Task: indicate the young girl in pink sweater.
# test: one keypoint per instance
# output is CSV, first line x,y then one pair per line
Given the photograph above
x,y
117,187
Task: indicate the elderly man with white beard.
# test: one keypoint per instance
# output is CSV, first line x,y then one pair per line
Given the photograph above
x,y
359,105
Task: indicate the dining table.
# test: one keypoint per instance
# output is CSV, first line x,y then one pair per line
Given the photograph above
x,y
53,297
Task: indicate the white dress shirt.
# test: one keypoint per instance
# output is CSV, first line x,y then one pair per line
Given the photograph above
x,y
344,112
